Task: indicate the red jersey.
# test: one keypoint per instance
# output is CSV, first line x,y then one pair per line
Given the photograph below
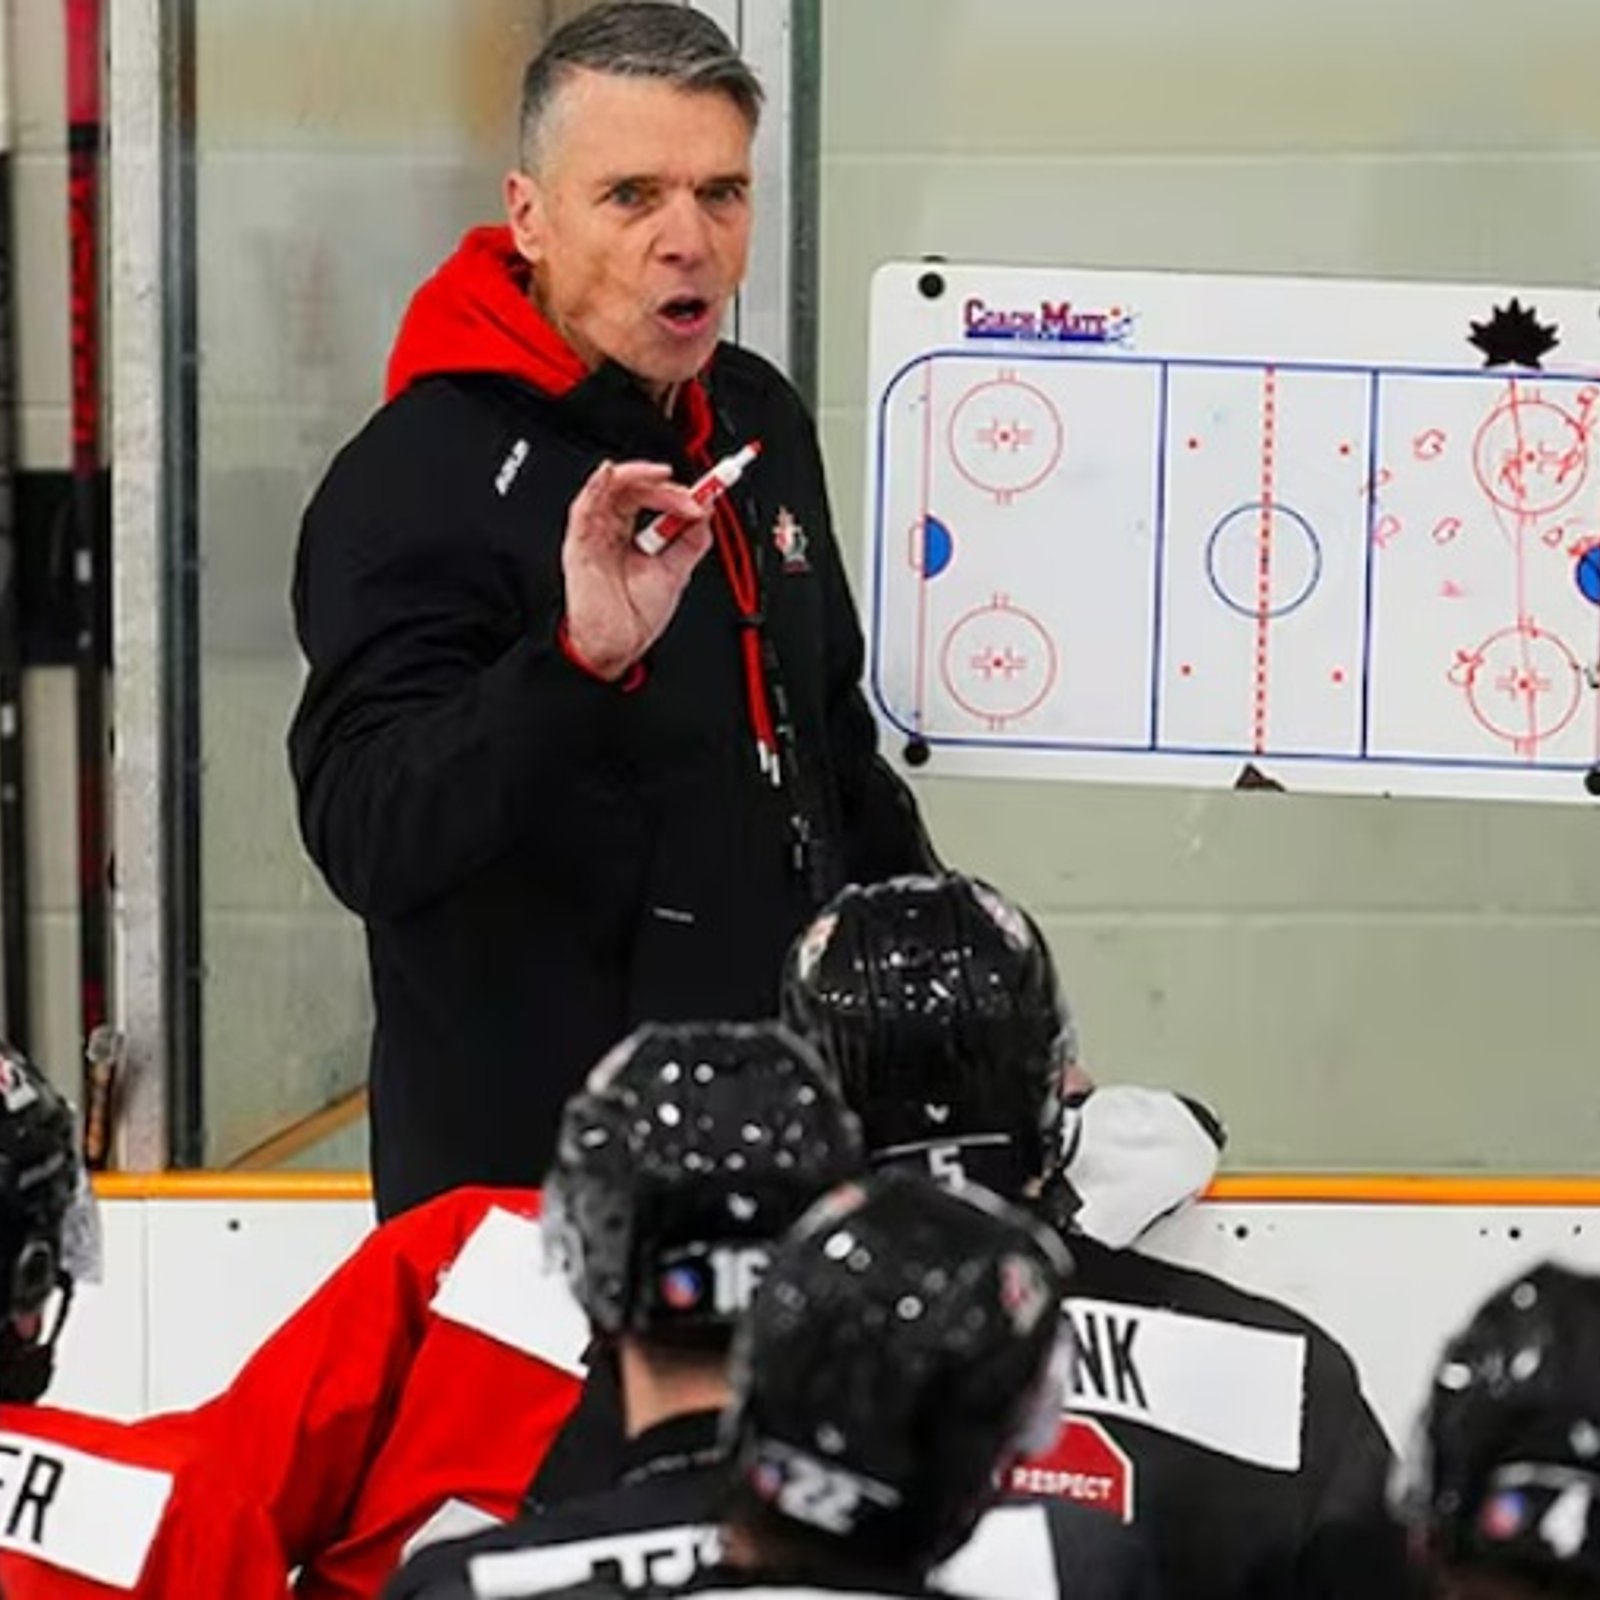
x,y
91,1507
497,1375
429,1374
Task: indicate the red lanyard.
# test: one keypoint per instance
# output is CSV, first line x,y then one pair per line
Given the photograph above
x,y
738,564
733,550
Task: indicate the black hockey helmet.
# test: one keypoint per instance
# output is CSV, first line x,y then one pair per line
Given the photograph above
x,y
47,1229
1505,1470
936,1001
903,1350
687,1154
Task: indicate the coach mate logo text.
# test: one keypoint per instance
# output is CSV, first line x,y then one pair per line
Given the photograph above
x,y
1049,322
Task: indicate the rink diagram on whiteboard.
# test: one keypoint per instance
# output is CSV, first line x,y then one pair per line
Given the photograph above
x,y
1354,574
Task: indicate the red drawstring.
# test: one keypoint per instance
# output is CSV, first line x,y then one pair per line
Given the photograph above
x,y
696,418
733,550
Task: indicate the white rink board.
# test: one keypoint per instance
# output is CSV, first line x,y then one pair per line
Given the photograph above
x,y
193,1286
190,1288
1391,1282
1149,527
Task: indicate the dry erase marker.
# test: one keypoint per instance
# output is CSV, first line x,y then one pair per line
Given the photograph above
x,y
656,536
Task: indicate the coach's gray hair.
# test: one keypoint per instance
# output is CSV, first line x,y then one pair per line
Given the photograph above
x,y
658,39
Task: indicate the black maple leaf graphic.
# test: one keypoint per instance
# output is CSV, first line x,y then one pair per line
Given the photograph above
x,y
1514,336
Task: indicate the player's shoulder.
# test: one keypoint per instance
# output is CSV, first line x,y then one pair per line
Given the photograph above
x,y
157,1442
468,1206
722,1583
430,416
595,1590
440,442
438,1227
759,1587
662,1525
1132,1278
177,1446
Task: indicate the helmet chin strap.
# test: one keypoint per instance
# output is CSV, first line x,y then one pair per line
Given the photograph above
x,y
1056,1201
28,1365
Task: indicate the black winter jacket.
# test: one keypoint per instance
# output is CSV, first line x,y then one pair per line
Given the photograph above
x,y
542,860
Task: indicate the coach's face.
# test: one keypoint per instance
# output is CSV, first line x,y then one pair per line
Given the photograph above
x,y
636,221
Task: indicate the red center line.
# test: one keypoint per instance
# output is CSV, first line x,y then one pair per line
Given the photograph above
x,y
1524,528
1269,462
921,689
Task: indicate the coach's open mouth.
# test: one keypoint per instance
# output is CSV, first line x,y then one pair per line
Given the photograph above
x,y
685,313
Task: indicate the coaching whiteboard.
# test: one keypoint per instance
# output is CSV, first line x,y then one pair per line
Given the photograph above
x,y
1167,527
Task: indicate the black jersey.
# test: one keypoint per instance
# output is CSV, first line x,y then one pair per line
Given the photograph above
x,y
658,1526
1230,1428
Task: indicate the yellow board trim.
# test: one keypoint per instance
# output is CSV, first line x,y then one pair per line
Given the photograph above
x,y
1402,1189
1266,1188
233,1186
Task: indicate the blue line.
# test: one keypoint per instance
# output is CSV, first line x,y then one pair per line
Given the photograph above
x,y
1158,643
881,545
1374,424
1244,753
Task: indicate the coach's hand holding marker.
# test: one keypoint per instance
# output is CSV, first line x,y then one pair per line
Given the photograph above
x,y
707,490
623,586
620,601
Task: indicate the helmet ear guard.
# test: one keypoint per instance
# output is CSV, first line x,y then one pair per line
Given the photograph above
x,y
28,1363
35,1275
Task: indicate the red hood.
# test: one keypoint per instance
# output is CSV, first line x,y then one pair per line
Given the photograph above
x,y
474,315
